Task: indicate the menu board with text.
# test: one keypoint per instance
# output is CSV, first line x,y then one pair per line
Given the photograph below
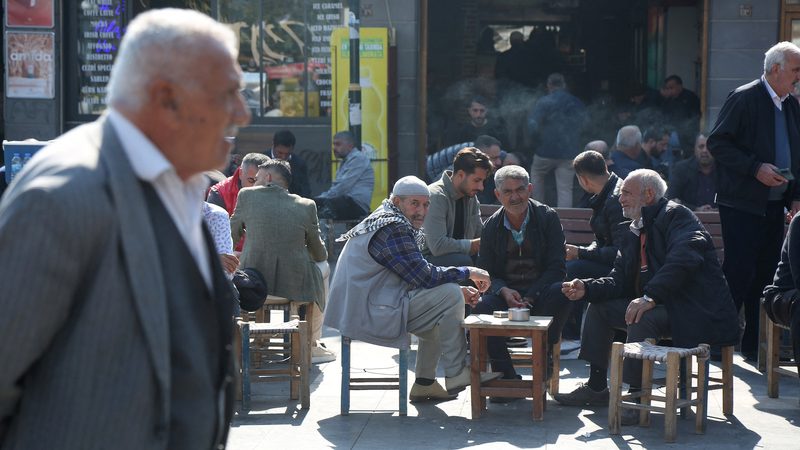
x,y
323,17
101,24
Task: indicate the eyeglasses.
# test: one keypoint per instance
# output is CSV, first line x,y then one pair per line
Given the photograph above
x,y
250,180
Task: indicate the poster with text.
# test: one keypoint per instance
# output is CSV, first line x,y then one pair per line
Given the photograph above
x,y
30,66
29,13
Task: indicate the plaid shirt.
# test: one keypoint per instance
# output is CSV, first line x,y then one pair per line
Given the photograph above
x,y
394,247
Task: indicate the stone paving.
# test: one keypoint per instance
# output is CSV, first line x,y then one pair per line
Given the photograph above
x,y
275,422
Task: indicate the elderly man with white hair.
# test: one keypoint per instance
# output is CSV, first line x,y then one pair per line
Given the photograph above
x,y
666,282
383,289
119,332
629,154
756,146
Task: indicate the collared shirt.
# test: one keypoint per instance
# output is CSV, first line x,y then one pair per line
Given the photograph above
x,y
519,236
355,179
395,248
636,226
219,225
778,101
182,199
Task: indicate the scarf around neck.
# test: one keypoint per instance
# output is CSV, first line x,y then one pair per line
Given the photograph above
x,y
384,215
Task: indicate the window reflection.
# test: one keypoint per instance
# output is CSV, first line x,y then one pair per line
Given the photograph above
x,y
284,53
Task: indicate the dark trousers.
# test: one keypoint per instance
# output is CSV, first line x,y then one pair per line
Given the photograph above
x,y
581,268
783,310
339,208
604,319
551,303
752,251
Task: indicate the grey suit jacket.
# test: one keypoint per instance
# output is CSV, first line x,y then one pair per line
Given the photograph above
x,y
84,339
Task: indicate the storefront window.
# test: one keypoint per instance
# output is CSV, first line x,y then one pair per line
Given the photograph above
x,y
284,53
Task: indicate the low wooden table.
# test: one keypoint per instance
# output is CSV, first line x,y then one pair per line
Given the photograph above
x,y
482,325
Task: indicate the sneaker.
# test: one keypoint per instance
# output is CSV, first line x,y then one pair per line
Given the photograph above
x,y
321,355
456,384
583,396
435,393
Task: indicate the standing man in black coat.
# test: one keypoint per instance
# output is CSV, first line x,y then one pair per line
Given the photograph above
x,y
756,145
666,282
283,148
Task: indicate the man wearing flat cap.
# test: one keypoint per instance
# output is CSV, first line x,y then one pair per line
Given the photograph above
x,y
384,289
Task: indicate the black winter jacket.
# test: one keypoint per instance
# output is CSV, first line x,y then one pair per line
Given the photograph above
x,y
686,276
608,224
545,232
743,138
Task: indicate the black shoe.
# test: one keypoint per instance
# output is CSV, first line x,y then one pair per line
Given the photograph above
x,y
583,396
517,342
629,417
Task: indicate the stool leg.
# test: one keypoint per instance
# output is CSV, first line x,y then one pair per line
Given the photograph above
x,y
402,380
773,355
294,365
615,389
237,348
685,384
647,392
727,380
556,353
305,364
670,412
345,402
702,389
475,370
245,333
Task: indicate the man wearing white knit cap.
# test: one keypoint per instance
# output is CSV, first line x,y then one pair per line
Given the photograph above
x,y
384,289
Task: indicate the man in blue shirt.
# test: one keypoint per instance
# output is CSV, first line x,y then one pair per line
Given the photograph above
x,y
350,193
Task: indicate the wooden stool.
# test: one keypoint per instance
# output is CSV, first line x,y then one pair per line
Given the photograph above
x,y
373,383
299,362
774,366
648,352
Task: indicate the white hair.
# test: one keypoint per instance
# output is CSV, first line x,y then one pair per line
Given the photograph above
x,y
513,172
163,43
777,55
629,136
650,179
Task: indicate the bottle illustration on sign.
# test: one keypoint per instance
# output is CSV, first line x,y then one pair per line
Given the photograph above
x,y
16,165
373,103
25,159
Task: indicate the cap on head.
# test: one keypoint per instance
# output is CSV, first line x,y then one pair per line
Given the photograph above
x,y
410,185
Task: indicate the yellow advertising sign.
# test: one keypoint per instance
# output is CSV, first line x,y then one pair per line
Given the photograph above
x,y
374,65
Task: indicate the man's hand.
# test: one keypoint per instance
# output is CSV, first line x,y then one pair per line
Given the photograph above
x,y
475,246
794,210
480,277
768,175
704,208
512,297
572,251
471,295
229,262
573,290
636,309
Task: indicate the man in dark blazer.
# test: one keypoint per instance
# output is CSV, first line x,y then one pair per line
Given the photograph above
x,y
756,145
116,323
283,148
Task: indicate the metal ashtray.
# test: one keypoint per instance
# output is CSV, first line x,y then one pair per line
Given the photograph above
x,y
501,314
519,314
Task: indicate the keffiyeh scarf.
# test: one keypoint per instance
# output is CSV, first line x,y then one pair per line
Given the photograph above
x,y
384,215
